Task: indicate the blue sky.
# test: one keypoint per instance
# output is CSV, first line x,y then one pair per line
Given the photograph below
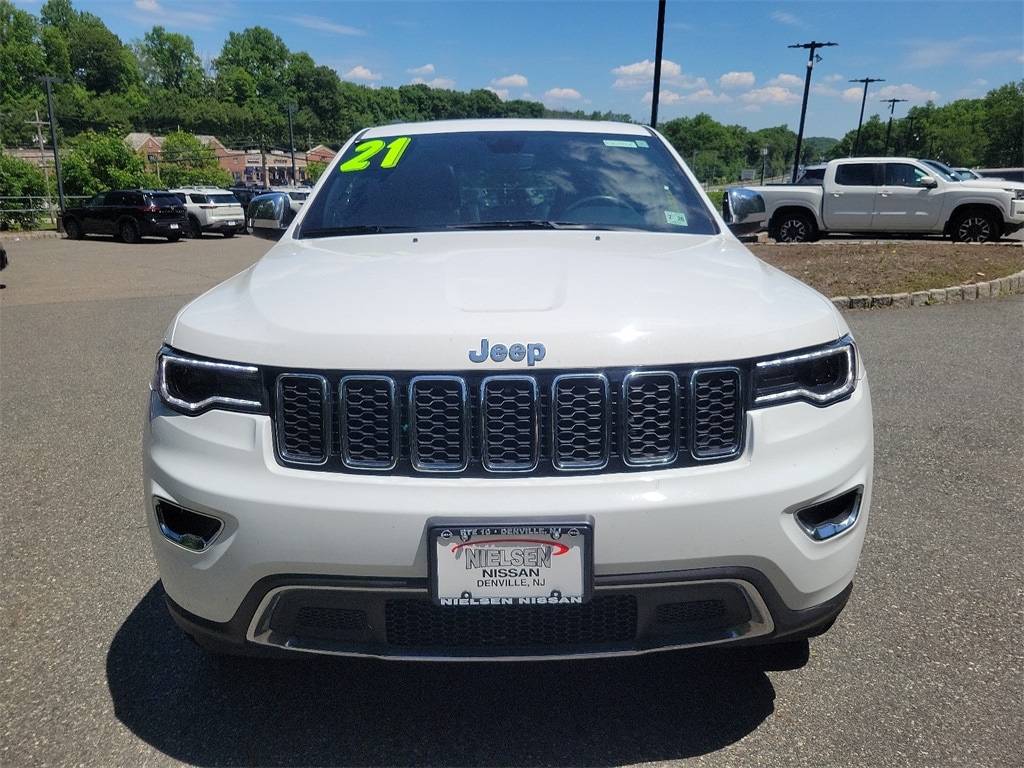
x,y
728,58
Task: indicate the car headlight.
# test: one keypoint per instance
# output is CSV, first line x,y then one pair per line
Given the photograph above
x,y
193,385
1018,194
819,376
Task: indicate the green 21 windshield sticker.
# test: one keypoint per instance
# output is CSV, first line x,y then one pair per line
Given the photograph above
x,y
368,150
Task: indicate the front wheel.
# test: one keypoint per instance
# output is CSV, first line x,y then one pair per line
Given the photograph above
x,y
73,229
975,227
794,227
128,231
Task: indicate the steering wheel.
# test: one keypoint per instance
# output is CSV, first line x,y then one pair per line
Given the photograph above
x,y
598,201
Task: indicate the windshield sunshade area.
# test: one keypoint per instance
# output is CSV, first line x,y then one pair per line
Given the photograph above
x,y
506,180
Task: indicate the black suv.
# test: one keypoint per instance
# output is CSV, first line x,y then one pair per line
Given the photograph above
x,y
128,214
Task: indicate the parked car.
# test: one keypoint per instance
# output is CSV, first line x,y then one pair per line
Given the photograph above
x,y
129,215
296,195
506,389
211,209
893,195
245,193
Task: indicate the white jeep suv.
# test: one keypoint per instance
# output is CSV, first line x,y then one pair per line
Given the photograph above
x,y
506,389
211,209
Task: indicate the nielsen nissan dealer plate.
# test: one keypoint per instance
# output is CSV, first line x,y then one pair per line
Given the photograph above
x,y
510,563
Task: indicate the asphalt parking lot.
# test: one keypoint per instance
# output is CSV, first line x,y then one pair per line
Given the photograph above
x,y
923,669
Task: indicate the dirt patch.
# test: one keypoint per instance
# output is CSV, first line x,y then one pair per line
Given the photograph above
x,y
853,268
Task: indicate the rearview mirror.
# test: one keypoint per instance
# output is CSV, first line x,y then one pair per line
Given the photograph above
x,y
743,211
269,215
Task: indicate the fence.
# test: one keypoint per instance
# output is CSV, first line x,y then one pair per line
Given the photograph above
x,y
29,212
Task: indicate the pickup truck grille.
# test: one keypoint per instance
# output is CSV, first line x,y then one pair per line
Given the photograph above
x,y
505,424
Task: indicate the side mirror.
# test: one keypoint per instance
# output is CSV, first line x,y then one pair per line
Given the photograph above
x,y
269,215
928,181
743,210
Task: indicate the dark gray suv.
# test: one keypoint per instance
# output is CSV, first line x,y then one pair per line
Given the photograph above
x,y
128,215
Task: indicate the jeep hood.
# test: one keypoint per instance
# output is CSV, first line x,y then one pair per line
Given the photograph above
x,y
425,301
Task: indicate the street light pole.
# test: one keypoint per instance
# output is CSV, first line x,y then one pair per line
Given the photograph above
x,y
811,48
863,101
888,131
291,138
48,81
657,63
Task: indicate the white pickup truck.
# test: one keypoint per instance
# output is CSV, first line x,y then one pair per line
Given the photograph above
x,y
892,195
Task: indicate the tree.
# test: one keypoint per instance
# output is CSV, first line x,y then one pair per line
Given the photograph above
x,y
186,161
95,162
19,179
1003,124
21,53
168,61
263,55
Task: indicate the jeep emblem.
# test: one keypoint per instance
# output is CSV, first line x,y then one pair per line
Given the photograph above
x,y
499,353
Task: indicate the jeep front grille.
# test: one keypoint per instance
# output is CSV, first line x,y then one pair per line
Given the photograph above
x,y
550,423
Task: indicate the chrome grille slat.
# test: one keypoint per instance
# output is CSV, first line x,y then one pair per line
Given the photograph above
x,y
369,422
510,420
439,423
484,425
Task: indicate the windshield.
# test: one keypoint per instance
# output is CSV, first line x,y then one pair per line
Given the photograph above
x,y
507,180
944,170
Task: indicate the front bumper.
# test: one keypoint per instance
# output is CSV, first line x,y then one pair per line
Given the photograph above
x,y
722,539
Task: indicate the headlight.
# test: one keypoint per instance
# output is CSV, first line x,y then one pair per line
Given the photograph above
x,y
1018,194
193,384
819,376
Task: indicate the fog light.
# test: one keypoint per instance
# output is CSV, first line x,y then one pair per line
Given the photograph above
x,y
827,519
188,529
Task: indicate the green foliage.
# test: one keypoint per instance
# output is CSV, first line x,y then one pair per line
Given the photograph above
x,y
95,162
315,170
158,84
186,161
19,179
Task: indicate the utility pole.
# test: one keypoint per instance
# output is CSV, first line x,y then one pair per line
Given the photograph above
x,y
46,169
291,138
863,101
888,131
48,81
657,63
811,58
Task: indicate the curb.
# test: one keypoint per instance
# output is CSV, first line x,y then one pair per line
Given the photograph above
x,y
1003,286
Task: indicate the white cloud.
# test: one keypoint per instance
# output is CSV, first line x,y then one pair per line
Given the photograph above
x,y
737,80
426,69
511,81
562,94
703,96
909,92
323,25
786,81
501,93
441,83
771,95
640,75
362,73
784,17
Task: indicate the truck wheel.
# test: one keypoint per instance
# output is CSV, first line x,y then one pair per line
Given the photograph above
x,y
195,229
794,227
975,227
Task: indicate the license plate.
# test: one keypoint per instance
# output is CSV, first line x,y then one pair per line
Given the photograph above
x,y
232,223
511,562
174,226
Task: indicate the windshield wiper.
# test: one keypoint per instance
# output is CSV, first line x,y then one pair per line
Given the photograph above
x,y
358,229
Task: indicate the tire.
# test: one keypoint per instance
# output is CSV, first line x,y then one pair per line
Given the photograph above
x,y
73,229
795,227
195,229
976,226
128,232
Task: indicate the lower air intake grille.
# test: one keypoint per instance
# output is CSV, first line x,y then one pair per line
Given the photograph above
x,y
419,623
478,425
